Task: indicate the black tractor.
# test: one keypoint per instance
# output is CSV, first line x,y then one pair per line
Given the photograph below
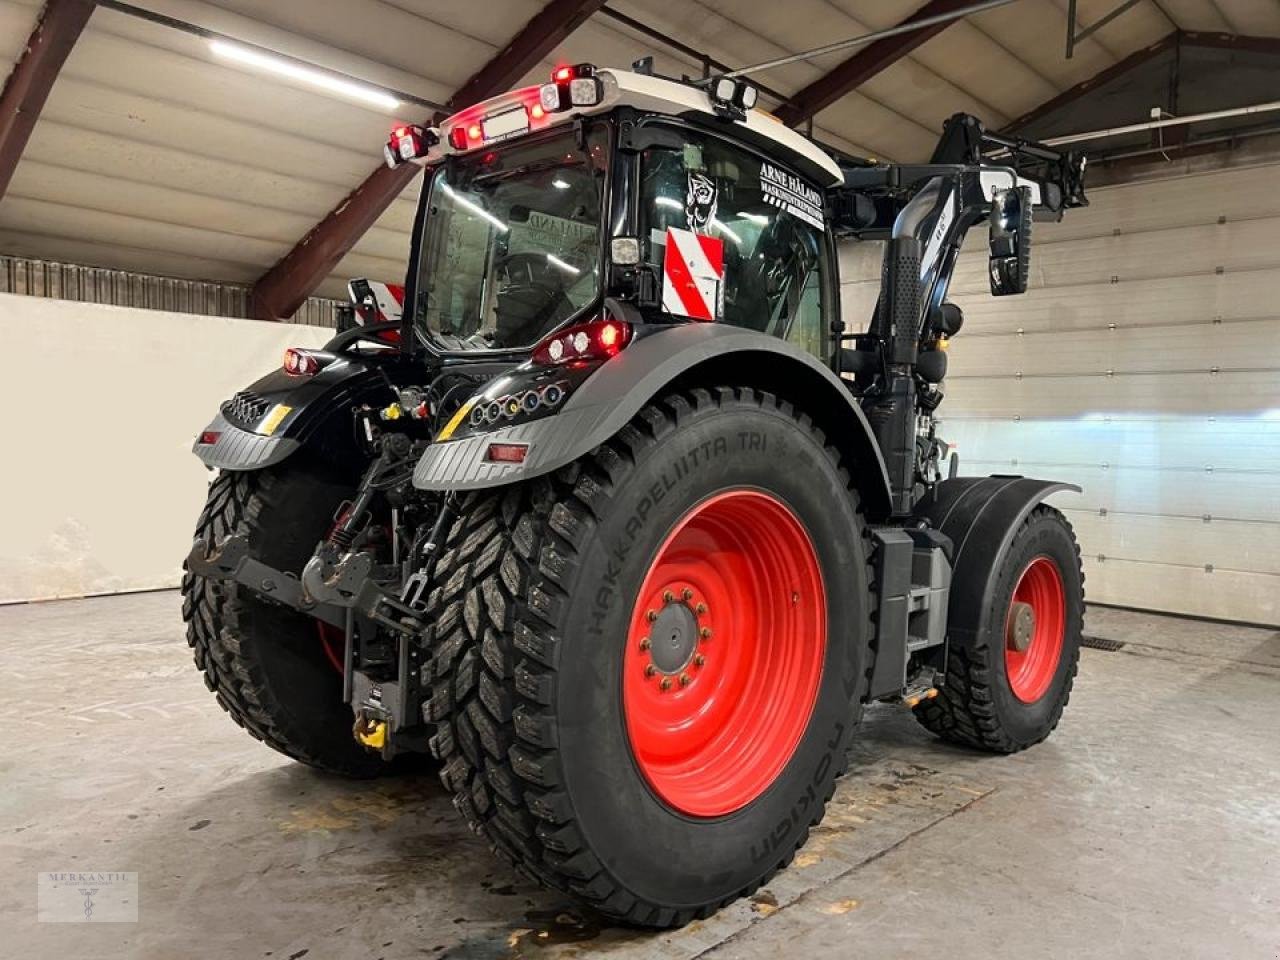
x,y
619,522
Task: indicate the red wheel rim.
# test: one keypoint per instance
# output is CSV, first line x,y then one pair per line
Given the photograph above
x,y
1031,669
724,653
334,642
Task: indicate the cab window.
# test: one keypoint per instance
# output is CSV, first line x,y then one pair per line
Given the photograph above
x,y
765,224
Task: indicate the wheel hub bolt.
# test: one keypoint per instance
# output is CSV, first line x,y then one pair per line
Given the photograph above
x,y
700,609
650,670
699,660
666,683
705,633
668,596
688,594
685,680
651,615
644,643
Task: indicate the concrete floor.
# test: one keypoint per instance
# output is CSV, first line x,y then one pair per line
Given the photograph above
x,y
1147,826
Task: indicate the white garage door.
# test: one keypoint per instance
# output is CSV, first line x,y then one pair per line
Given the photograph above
x,y
1144,365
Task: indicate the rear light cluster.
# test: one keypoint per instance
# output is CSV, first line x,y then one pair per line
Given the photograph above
x,y
409,142
595,341
301,363
571,86
466,134
513,405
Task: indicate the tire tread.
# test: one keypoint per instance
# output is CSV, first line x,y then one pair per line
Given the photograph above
x,y
964,710
516,800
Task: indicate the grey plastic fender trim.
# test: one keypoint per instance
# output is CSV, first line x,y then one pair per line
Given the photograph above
x,y
238,449
607,401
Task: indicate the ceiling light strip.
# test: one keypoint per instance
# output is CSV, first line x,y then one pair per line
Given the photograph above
x,y
326,77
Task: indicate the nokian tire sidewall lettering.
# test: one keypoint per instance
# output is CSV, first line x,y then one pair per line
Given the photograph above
x,y
659,854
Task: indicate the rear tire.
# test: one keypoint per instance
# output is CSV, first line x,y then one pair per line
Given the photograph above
x,y
542,585
266,664
999,698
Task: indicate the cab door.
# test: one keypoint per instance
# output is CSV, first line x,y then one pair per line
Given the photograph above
x,y
736,238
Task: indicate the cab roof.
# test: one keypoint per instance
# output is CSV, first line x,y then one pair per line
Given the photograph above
x,y
656,95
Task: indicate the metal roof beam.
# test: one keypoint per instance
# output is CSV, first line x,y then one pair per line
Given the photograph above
x,y
866,63
283,289
1178,38
28,86
1085,87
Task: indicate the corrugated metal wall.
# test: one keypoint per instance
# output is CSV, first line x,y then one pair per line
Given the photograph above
x,y
1144,365
67,281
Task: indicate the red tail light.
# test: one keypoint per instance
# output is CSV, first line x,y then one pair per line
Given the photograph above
x,y
506,452
458,138
595,341
300,363
562,74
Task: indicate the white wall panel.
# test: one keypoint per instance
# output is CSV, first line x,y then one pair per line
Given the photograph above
x,y
1198,444
1224,545
1185,394
1143,365
1192,494
1230,247
1238,345
1164,302
1152,585
1245,193
99,416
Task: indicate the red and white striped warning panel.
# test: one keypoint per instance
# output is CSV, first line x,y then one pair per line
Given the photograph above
x,y
692,275
377,302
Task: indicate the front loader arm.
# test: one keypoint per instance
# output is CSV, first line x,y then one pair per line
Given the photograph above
x,y
923,212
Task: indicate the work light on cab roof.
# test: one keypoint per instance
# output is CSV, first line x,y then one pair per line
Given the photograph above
x,y
409,142
571,86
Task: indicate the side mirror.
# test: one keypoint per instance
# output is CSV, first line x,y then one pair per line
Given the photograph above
x,y
1010,241
853,211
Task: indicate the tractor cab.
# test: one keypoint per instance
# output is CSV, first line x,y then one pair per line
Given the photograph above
x,y
678,200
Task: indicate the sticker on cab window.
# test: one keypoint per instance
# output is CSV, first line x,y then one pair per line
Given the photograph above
x,y
789,193
700,202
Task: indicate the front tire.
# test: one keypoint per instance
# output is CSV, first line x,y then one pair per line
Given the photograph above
x,y
560,730
1008,682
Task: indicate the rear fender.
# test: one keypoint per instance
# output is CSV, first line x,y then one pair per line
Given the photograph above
x,y
671,357
271,419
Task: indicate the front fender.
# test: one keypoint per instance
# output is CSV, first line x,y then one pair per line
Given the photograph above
x,y
615,393
980,515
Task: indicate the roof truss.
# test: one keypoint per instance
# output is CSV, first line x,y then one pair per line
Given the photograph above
x,y
285,287
28,86
875,57
1178,38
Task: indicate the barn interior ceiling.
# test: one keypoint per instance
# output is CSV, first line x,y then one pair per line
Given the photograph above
x,y
159,151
